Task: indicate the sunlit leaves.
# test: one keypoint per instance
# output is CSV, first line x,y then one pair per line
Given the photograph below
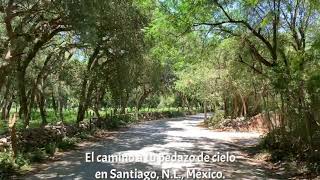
x,y
266,20
252,2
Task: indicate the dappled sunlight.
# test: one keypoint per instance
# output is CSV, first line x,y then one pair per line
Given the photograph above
x,y
164,137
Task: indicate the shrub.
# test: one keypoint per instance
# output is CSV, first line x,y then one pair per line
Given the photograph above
x,y
118,121
7,162
37,155
315,167
173,114
114,123
82,135
10,165
67,143
126,118
283,146
50,148
216,118
22,160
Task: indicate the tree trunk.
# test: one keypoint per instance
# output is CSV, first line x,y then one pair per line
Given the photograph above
x,y
61,102
23,96
85,101
85,90
142,98
41,104
244,106
304,113
96,111
7,101
5,112
61,110
205,110
124,102
235,107
82,102
54,105
13,135
8,109
225,106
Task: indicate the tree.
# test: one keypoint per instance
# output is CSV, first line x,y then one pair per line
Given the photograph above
x,y
117,42
273,40
29,26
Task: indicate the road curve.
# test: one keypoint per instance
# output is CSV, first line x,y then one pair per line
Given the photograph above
x,y
181,136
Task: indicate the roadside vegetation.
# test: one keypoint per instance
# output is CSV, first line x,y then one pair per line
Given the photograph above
x,y
250,61
74,66
41,143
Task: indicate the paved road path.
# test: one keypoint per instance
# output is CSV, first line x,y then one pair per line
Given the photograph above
x,y
167,136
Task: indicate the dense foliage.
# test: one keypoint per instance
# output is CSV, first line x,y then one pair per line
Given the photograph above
x,y
248,57
63,59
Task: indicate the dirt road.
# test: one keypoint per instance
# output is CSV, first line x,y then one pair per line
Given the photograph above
x,y
178,136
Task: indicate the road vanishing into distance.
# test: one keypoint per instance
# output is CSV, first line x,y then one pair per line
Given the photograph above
x,y
181,139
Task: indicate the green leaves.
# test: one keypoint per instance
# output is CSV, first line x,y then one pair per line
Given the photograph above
x,y
252,2
266,20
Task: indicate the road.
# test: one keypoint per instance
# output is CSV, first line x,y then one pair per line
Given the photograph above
x,y
181,136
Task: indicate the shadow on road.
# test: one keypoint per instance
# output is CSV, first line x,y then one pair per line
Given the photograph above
x,y
167,136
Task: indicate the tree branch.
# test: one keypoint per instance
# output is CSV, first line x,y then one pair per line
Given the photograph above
x,y
257,55
40,43
251,66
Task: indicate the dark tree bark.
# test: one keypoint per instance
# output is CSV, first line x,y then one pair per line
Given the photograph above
x,y
22,94
84,105
225,106
54,105
142,98
7,101
61,105
41,104
205,110
87,86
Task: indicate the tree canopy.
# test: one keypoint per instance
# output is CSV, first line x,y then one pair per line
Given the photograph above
x,y
237,57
